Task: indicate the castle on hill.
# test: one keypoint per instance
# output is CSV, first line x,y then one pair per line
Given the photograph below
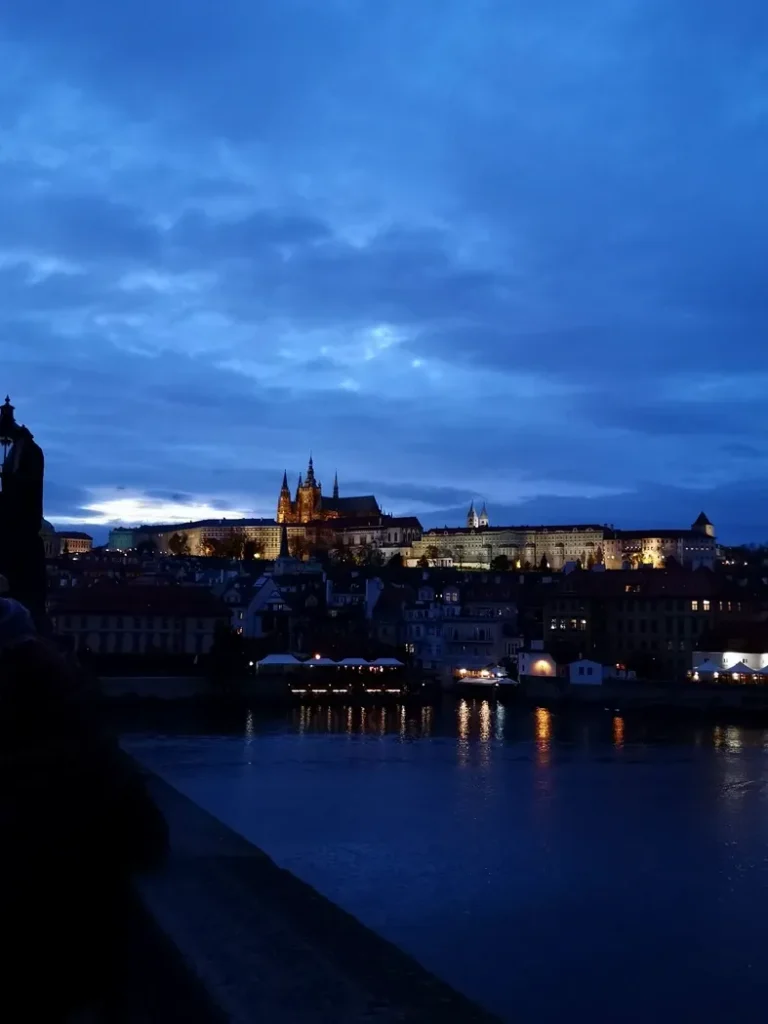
x,y
310,504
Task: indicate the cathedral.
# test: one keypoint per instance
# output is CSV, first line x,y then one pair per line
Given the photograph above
x,y
310,504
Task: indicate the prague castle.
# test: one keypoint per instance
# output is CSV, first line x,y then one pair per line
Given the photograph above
x,y
310,504
477,544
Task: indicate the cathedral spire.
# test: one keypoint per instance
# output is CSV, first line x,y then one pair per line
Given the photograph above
x,y
311,472
472,517
285,481
336,485
284,553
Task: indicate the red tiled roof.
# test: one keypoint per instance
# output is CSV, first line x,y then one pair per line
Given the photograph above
x,y
138,600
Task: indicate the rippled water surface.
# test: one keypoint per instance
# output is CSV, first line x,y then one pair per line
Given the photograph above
x,y
550,866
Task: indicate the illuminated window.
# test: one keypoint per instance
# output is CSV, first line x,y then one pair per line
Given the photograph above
x,y
694,606
705,605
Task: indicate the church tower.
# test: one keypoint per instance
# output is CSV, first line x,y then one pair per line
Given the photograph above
x,y
284,504
308,496
472,518
336,485
483,519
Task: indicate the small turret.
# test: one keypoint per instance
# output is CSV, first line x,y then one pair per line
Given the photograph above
x,y
311,473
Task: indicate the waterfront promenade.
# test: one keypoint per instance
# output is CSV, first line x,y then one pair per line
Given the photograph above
x,y
265,946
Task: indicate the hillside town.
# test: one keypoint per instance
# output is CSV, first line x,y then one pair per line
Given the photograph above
x,y
450,603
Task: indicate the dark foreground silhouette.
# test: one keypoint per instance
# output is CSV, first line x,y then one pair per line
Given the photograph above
x,y
76,824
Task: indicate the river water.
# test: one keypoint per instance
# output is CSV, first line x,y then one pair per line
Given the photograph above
x,y
548,865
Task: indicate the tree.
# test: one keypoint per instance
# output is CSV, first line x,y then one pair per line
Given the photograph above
x,y
146,547
460,554
527,566
599,556
368,554
343,555
234,545
299,547
253,549
591,560
500,563
423,562
433,552
544,564
178,545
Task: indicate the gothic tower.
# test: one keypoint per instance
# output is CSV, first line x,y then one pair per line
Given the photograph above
x,y
483,519
284,505
336,485
308,496
472,518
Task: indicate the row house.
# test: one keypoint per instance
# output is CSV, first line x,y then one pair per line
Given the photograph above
x,y
444,632
650,620
109,619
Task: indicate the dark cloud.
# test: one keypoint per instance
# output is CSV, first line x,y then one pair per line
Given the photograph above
x,y
507,250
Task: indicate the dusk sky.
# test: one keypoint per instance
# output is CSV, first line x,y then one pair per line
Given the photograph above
x,y
457,248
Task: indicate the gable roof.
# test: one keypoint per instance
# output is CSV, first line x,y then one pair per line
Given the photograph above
x,y
360,505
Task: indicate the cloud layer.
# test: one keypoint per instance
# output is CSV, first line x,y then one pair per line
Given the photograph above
x,y
455,249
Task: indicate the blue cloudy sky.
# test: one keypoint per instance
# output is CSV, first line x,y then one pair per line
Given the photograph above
x,y
456,247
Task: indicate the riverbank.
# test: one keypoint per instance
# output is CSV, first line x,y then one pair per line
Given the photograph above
x,y
623,694
648,695
267,946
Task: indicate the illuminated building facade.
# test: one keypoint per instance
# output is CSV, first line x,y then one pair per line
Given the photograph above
x,y
310,504
553,547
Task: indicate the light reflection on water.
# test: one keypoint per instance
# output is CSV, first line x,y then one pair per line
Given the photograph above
x,y
475,834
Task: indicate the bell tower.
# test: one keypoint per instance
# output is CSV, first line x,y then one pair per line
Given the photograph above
x,y
284,505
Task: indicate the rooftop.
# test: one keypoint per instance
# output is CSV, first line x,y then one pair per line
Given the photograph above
x,y
108,599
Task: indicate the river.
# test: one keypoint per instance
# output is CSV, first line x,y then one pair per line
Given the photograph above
x,y
548,865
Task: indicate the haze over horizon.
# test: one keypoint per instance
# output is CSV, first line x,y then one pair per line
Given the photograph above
x,y
458,251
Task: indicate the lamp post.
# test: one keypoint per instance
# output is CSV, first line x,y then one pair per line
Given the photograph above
x,y
8,426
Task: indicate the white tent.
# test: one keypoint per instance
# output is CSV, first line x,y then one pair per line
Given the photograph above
x,y
739,669
353,663
322,662
387,663
707,668
278,659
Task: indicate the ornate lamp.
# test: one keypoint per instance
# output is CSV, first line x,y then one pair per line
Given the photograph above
x,y
8,425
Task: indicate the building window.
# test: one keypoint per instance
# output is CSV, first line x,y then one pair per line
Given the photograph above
x,y
705,605
694,606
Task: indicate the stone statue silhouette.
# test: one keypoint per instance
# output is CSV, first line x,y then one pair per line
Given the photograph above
x,y
22,555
